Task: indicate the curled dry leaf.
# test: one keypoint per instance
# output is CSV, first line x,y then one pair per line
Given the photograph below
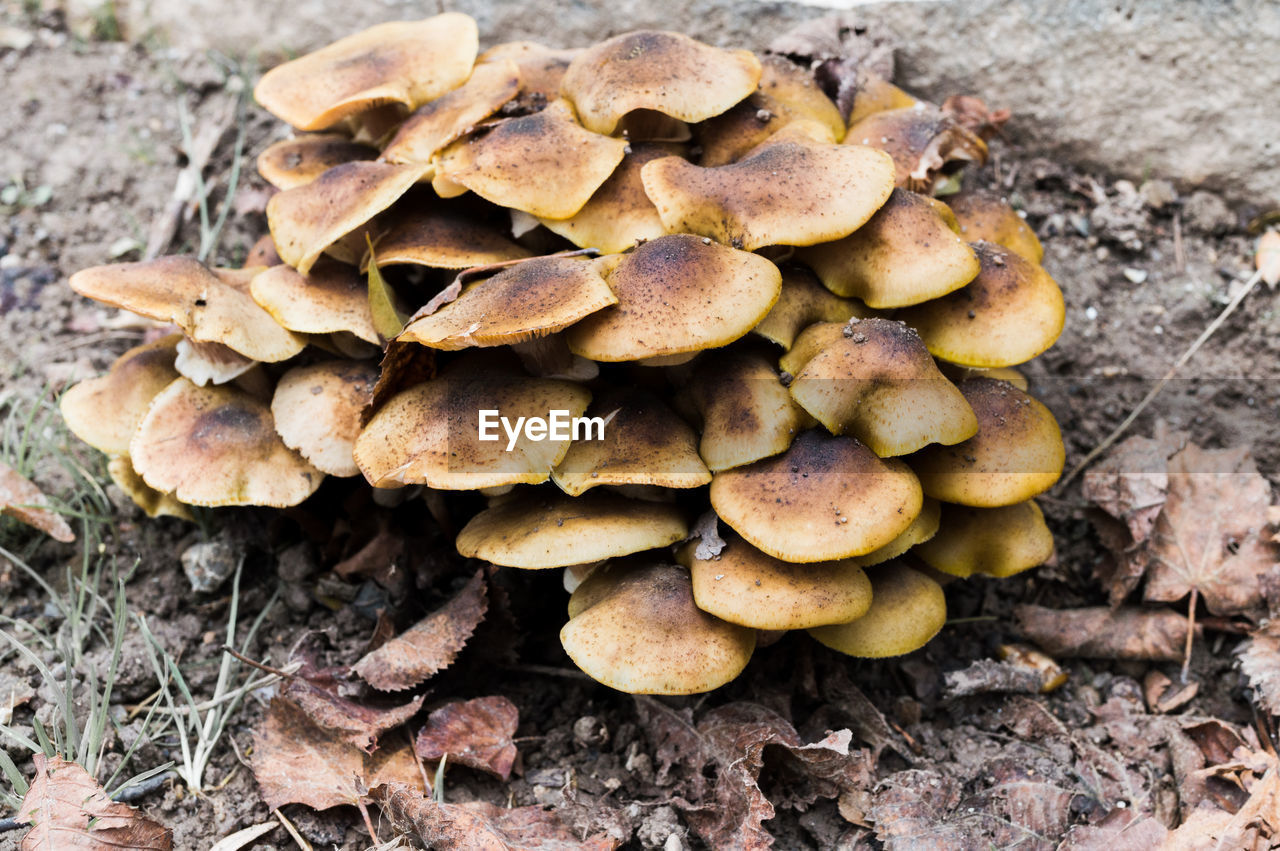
x,y
707,533
317,692
475,733
1260,662
1105,633
67,809
26,503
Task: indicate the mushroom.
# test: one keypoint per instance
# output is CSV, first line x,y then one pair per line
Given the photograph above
x,y
825,498
262,254
999,542
444,120
641,633
876,94
1007,315
541,68
441,236
210,363
986,217
332,299
921,139
105,411
803,302
295,162
808,344
924,527
403,62
907,610
152,502
317,411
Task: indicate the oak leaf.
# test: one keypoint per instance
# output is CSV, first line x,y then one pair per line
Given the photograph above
x,y
69,810
475,733
26,503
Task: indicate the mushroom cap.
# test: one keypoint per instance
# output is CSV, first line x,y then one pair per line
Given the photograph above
x,y
541,68
151,501
429,434
747,413
206,363
546,529
677,294
442,237
924,527
436,124
986,217
907,610
307,220
644,443
400,62
317,411
876,94
619,214
742,585
262,254
209,306
808,344
531,299
791,190
1001,373
804,301
825,498
644,635
905,254
544,164
921,139
878,383
999,542
105,411
1016,454
295,162
331,299
1007,315
665,72
218,446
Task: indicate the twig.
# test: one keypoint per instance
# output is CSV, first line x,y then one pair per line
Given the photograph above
x,y
1191,631
1179,251
293,831
266,669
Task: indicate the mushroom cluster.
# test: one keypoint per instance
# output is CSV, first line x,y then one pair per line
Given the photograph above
x,y
701,338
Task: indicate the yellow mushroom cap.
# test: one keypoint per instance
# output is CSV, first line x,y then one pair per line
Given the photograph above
x,y
441,237
546,529
104,412
806,347
803,302
905,254
907,610
544,164
262,254
876,94
986,217
528,300
1007,315
307,220
209,306
825,498
921,139
446,119
742,585
644,443
924,527
317,411
295,162
619,214
218,445
643,634
664,72
151,501
999,542
541,68
1001,373
401,62
430,433
1016,454
677,294
331,299
878,383
792,190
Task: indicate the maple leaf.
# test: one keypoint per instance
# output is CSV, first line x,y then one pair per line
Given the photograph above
x,y
69,810
26,503
476,733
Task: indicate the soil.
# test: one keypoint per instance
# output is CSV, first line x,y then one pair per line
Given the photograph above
x,y
1143,272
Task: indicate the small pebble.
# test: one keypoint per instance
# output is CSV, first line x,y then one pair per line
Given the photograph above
x,y
1135,276
1091,313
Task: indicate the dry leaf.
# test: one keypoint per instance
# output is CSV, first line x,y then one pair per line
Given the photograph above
x,y
1260,662
317,694
913,810
297,762
1163,695
403,365
476,733
973,114
69,810
479,826
1120,830
838,48
429,645
1267,260
23,501
988,675
1105,633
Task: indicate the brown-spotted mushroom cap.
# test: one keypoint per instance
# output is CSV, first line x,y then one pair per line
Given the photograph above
x,y
921,139
677,294
644,443
999,542
531,299
742,585
878,383
825,498
1016,454
803,302
986,217
747,413
643,634
441,237
1007,315
218,446
331,299
446,119
546,529
876,94
317,411
924,527
806,347
402,62
262,254
907,610
1001,373
105,411
209,306
151,501
664,72
544,164
905,254
792,190
309,219
295,162
541,68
